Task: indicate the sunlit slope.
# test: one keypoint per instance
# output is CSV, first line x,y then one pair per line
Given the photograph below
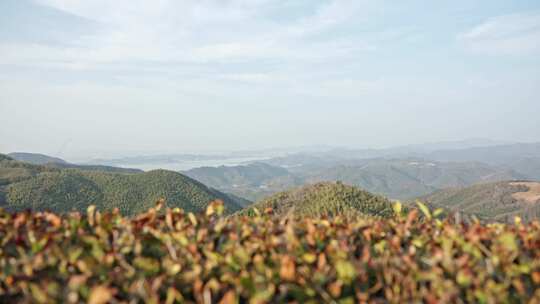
x,y
500,201
326,199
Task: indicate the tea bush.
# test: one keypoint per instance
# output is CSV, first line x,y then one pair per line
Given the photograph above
x,y
170,256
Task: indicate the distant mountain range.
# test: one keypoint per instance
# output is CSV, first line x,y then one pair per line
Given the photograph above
x,y
48,187
405,178
156,159
403,172
494,154
395,178
54,162
36,158
499,155
406,151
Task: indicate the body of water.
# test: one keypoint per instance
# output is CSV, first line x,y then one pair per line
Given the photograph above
x,y
187,165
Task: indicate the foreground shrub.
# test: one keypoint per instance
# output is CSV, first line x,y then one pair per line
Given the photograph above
x,y
170,256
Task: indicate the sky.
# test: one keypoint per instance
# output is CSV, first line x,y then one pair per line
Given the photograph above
x,y
82,78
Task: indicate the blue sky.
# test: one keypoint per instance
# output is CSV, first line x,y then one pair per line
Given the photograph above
x,y
80,78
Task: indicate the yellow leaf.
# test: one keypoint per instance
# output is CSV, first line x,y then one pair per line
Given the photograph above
x,y
464,278
173,296
424,209
90,213
100,295
38,294
192,219
309,258
397,208
146,264
345,271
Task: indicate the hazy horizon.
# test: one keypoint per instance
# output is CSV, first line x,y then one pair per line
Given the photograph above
x,y
248,155
82,79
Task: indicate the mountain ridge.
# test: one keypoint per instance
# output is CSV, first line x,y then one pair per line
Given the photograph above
x,y
24,185
395,178
55,162
36,158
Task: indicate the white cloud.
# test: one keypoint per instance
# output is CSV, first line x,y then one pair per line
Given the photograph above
x,y
206,44
201,31
517,34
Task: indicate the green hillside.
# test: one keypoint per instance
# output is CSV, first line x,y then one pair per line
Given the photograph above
x,y
500,201
326,199
24,185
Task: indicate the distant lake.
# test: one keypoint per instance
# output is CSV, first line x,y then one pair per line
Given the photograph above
x,y
187,165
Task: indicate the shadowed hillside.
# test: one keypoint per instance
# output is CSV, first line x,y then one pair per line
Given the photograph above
x,y
37,187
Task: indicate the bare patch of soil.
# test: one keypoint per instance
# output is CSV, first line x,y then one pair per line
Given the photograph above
x,y
532,195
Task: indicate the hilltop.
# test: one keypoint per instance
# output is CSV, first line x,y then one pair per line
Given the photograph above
x,y
326,199
36,158
24,185
54,162
500,201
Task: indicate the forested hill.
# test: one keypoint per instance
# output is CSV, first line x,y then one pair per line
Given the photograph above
x,y
42,187
325,199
